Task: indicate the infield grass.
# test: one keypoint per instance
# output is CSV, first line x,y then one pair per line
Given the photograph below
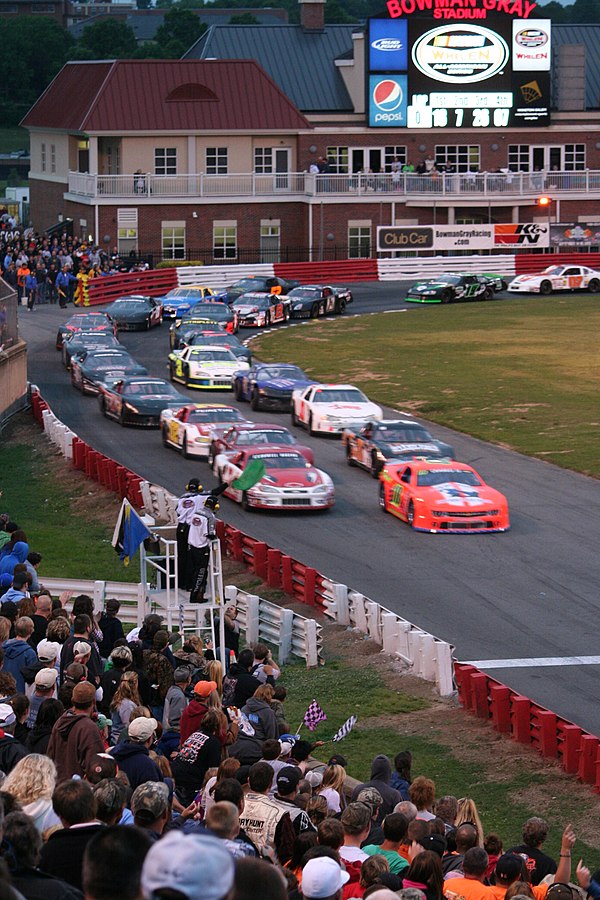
x,y
523,373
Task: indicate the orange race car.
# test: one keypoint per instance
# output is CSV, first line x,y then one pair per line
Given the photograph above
x,y
441,496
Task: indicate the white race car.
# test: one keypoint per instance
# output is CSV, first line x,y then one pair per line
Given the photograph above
x,y
329,408
192,428
557,278
205,367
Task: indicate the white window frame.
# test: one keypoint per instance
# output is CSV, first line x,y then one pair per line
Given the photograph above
x,y
217,160
165,160
225,239
463,157
390,154
339,160
359,238
264,160
173,240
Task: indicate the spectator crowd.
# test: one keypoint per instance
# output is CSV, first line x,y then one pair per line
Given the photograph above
x,y
133,767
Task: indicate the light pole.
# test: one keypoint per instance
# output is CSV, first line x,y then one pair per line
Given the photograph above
x,y
546,203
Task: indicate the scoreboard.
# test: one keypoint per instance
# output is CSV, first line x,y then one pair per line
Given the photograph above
x,y
493,72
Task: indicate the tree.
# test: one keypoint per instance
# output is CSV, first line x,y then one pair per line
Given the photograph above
x,y
245,18
107,39
143,4
180,25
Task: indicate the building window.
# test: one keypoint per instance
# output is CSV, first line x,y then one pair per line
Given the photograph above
x,y
393,153
42,8
165,161
127,230
462,157
53,157
337,157
270,235
359,241
518,157
574,157
225,241
173,240
43,158
216,160
263,160
10,8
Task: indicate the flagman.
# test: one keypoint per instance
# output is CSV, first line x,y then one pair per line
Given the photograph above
x,y
188,505
201,530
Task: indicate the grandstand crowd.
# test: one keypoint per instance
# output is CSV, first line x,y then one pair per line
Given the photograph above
x,y
134,768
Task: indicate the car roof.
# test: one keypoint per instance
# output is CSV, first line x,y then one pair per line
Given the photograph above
x,y
262,426
200,348
191,406
337,386
256,295
273,448
436,465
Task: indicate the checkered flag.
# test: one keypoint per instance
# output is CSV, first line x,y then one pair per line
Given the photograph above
x,y
313,715
345,729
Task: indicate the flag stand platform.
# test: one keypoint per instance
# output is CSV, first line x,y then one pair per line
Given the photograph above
x,y
159,559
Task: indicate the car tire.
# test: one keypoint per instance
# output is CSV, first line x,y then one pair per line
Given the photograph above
x,y
410,514
546,287
447,296
375,466
184,448
164,437
382,505
594,286
210,459
311,430
267,319
349,458
503,285
245,505
342,307
122,419
295,420
488,294
239,394
255,400
314,311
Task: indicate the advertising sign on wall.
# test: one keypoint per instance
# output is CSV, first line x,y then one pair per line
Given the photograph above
x,y
462,237
388,46
577,234
531,45
530,234
387,101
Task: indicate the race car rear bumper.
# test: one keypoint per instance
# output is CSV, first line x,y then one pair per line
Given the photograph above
x,y
210,384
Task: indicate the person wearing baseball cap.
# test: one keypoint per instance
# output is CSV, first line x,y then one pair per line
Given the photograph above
x,y
197,867
194,712
75,738
11,750
44,688
323,879
287,781
151,807
133,754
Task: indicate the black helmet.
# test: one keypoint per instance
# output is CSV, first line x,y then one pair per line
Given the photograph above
x,y
193,485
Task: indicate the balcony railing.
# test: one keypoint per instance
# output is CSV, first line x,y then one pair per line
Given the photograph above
x,y
461,186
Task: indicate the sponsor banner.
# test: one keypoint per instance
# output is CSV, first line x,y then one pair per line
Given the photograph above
x,y
531,45
578,234
387,101
463,237
532,99
404,237
529,234
460,9
460,54
388,41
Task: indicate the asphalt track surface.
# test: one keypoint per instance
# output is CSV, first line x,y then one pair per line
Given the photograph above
x,y
532,592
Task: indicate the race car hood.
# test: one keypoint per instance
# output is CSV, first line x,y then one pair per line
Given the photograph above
x,y
215,367
430,285
301,478
521,279
452,496
350,410
155,402
134,315
284,384
243,308
408,447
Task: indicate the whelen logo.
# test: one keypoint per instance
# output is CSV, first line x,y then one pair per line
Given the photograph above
x,y
460,54
387,95
387,44
531,38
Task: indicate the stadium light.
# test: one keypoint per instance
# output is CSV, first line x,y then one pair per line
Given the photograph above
x,y
544,201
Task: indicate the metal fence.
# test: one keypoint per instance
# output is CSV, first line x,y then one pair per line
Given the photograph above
x,y
9,333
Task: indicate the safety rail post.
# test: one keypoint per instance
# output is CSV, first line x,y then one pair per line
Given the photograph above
x,y
521,719
571,747
285,634
586,770
500,707
260,560
444,679
252,619
237,544
479,687
90,463
310,581
340,601
548,733
122,481
463,675
312,649
287,574
273,567
78,446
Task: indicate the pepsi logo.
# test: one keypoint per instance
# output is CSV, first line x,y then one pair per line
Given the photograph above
x,y
387,95
531,38
387,44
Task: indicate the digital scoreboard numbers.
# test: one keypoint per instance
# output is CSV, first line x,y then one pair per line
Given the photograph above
x,y
459,74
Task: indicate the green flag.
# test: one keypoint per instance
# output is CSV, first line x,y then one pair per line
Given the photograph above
x,y
251,475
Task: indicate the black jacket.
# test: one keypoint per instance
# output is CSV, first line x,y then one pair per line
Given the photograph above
x,y
62,854
112,631
11,751
37,885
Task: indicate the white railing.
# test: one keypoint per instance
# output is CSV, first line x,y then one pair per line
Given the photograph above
x,y
461,185
132,597
429,267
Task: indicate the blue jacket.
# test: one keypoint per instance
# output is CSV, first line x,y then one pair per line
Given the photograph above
x,y
17,555
134,760
17,654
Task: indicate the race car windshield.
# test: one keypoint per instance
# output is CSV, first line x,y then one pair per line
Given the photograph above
x,y
92,337
145,388
92,321
181,292
248,283
402,433
451,279
212,356
309,293
211,416
123,305
213,309
280,372
219,339
261,303
281,460
340,395
455,476
554,270
264,437
97,363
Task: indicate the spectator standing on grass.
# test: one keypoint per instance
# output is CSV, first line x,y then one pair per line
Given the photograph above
x,y
31,564
373,800
401,776
75,737
381,773
18,589
248,747
511,867
332,788
18,653
539,864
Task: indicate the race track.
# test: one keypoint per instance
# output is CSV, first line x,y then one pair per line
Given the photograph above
x,y
530,593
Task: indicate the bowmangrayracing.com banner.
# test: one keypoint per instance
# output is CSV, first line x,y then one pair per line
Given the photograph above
x,y
461,237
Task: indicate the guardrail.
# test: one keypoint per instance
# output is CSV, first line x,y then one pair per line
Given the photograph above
x,y
151,283
526,263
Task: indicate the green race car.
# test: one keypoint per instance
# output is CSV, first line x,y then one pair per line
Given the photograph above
x,y
450,287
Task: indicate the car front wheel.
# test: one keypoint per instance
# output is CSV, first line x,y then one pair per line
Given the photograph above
x,y
382,505
184,448
546,287
410,515
594,286
349,458
446,296
255,400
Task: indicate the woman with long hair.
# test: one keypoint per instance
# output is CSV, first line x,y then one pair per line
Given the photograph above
x,y
332,788
467,813
425,873
49,712
124,701
32,783
401,777
227,769
215,673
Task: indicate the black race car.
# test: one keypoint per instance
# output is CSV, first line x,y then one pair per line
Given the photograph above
x,y
449,287
263,284
372,444
92,367
139,401
212,312
88,321
136,312
78,341
218,339
311,300
180,333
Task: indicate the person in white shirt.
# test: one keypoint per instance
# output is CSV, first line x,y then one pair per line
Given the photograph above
x,y
356,822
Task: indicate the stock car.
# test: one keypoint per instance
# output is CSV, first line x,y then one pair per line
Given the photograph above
x,y
212,312
261,310
557,278
449,287
180,300
139,401
92,367
191,428
204,367
441,497
218,339
136,312
269,385
180,333
289,482
77,341
372,444
330,408
88,321
268,284
259,436
311,300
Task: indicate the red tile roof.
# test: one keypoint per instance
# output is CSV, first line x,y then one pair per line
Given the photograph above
x,y
164,95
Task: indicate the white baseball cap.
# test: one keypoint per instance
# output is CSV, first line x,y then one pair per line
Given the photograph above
x,y
322,877
197,865
47,650
46,678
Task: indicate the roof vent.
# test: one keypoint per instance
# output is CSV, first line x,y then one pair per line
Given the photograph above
x,y
191,91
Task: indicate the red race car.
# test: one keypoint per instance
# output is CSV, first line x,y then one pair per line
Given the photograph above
x,y
441,497
259,437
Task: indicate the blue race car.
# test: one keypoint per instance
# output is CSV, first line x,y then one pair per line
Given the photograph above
x,y
270,385
180,300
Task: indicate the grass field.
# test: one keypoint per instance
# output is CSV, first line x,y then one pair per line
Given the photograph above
x,y
523,374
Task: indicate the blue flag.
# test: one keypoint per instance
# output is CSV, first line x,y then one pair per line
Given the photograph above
x,y
129,533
